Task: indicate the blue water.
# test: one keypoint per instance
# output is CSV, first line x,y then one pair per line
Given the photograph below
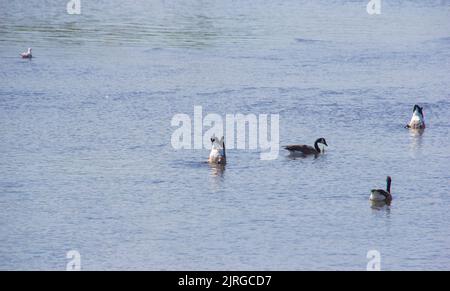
x,y
86,161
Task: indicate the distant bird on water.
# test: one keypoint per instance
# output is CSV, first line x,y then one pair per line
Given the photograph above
x,y
27,55
306,149
417,119
217,154
380,195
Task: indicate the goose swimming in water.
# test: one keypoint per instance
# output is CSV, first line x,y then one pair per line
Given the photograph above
x,y
417,120
27,55
379,195
217,154
306,149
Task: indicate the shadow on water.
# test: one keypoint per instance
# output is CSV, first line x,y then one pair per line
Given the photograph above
x,y
302,156
217,170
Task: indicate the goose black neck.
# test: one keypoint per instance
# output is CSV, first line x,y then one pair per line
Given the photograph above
x,y
388,186
316,146
223,145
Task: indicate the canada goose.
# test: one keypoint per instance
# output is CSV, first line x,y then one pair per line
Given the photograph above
x,y
306,149
379,195
417,120
27,55
217,154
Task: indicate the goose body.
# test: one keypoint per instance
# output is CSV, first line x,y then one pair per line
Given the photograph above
x,y
27,54
306,149
417,120
380,195
217,154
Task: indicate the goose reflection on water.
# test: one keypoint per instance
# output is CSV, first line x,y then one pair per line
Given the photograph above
x,y
217,170
416,137
380,206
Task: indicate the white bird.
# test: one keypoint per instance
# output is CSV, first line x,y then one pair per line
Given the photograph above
x,y
27,55
417,120
217,154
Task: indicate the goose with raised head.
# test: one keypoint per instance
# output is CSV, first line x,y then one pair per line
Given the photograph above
x,y
306,149
380,195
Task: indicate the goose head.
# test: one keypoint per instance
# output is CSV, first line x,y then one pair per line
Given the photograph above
x,y
322,141
316,144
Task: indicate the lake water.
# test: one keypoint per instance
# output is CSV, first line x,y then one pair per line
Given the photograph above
x,y
87,164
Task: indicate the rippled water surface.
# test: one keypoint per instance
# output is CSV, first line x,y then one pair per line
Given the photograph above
x,y
86,161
